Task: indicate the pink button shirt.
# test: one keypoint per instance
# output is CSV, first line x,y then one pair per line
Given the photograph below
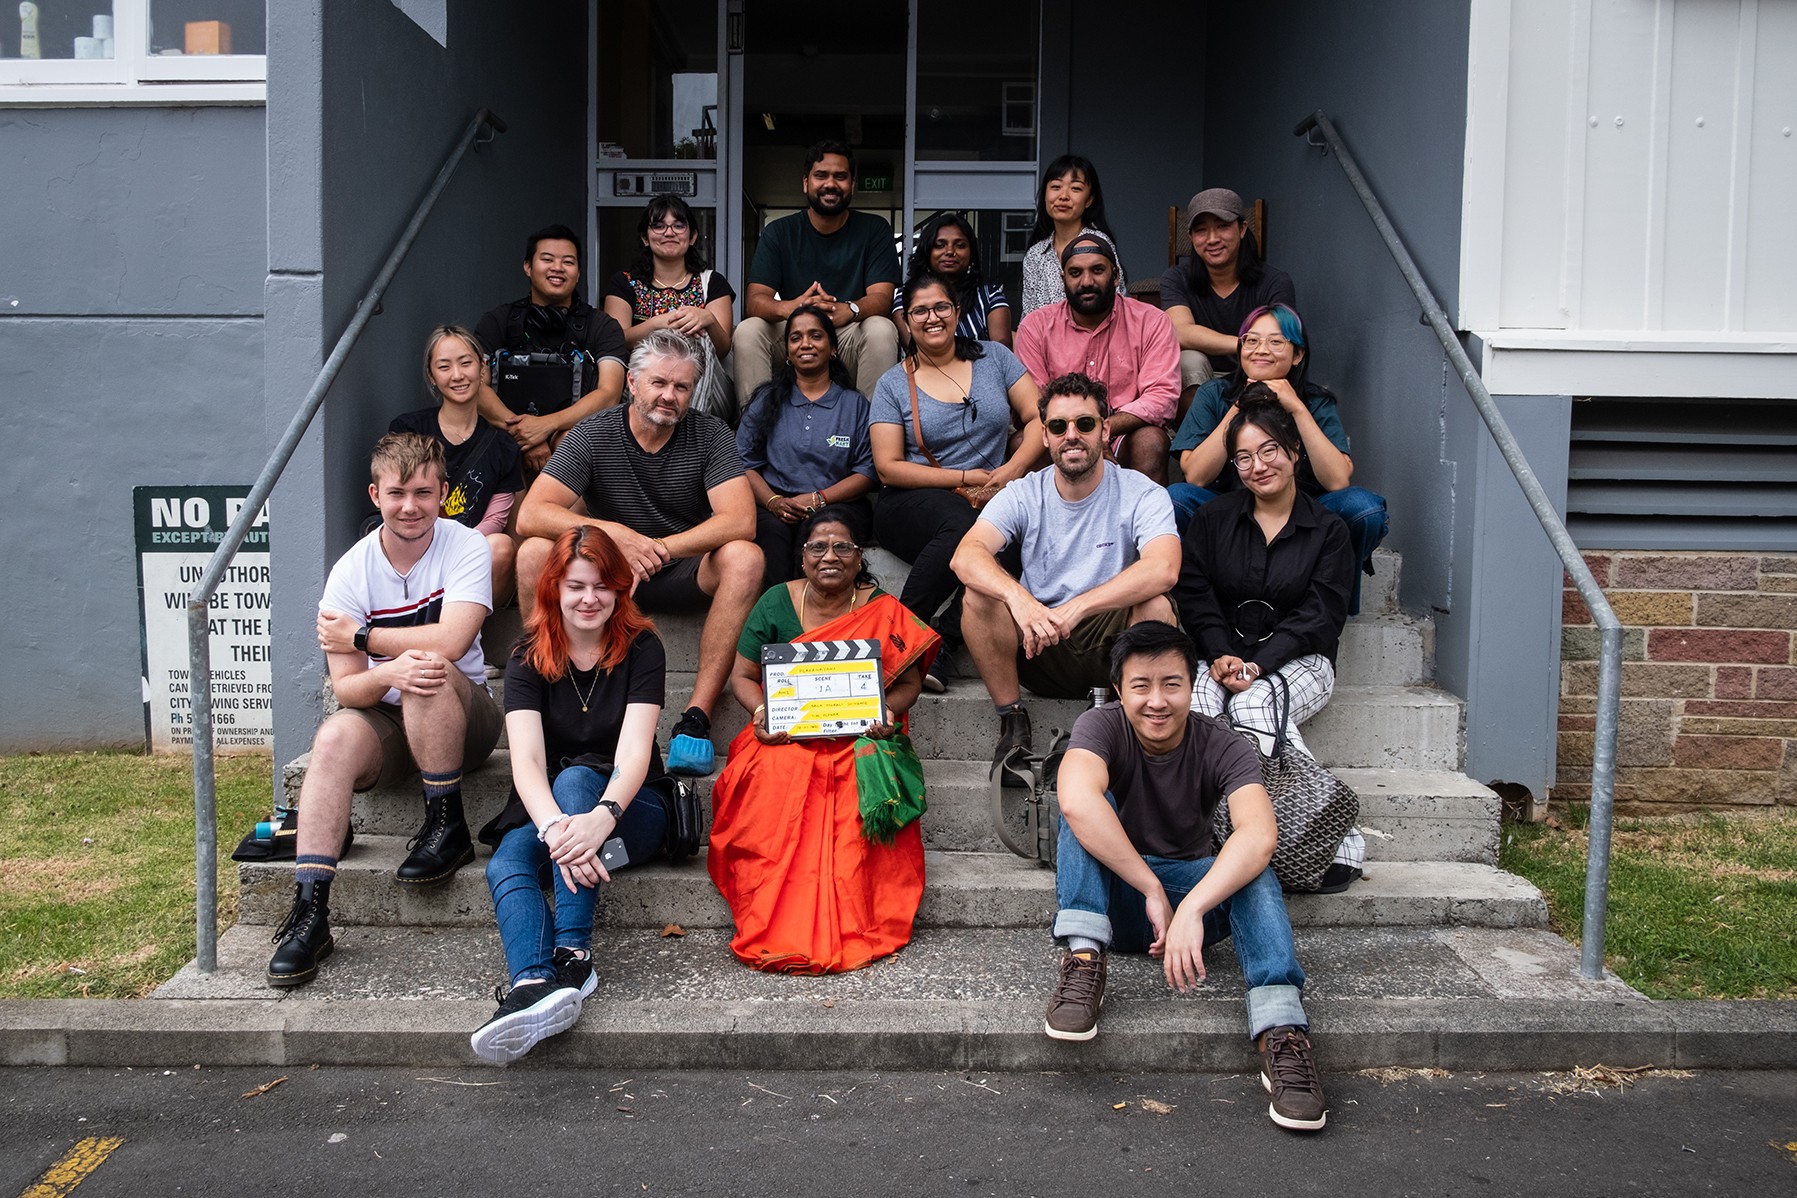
x,y
1133,352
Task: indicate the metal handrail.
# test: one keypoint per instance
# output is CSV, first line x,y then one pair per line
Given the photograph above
x,y
199,642
1609,670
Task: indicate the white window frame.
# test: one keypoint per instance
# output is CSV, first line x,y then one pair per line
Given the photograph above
x,y
133,75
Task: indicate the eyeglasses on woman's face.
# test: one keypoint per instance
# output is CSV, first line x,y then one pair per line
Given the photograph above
x,y
675,225
817,549
941,310
1274,344
1270,452
1058,426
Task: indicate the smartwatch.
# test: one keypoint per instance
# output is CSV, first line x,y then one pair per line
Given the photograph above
x,y
362,639
611,805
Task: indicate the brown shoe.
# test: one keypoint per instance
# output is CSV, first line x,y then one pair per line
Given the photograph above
x,y
1073,1011
1289,1073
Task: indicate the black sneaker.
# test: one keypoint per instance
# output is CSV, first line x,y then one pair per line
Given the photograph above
x,y
575,973
947,665
1073,1011
1013,735
528,1014
689,745
1289,1073
304,937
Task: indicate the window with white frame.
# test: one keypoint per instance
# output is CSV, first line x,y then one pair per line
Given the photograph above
x,y
139,49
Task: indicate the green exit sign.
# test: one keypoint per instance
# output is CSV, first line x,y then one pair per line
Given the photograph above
x,y
874,183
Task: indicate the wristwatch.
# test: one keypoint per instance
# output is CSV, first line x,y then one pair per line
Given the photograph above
x,y
611,805
855,309
362,639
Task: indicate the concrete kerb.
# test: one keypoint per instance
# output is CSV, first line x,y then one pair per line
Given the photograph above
x,y
1201,1036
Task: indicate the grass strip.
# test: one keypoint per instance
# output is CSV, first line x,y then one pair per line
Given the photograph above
x,y
1701,906
96,868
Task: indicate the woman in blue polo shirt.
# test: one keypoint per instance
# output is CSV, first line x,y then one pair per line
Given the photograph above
x,y
804,441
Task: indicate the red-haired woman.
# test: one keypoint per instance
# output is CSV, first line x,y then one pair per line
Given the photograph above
x,y
583,691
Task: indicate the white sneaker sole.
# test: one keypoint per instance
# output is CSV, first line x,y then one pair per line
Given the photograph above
x,y
1286,1121
1055,1033
509,1037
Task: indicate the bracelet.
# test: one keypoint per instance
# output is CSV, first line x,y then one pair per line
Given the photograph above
x,y
543,832
771,501
669,553
963,478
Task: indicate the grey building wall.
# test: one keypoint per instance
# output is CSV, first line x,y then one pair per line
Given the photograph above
x,y
363,107
1129,95
1393,78
131,282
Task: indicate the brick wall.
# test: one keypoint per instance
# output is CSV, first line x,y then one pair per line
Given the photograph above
x,y
1709,680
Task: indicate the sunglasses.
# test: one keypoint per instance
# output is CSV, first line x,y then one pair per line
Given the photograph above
x,y
1058,426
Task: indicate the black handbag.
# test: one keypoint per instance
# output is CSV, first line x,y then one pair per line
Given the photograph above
x,y
685,830
1313,807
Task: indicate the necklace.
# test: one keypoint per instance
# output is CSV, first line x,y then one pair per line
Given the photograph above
x,y
575,683
854,597
655,282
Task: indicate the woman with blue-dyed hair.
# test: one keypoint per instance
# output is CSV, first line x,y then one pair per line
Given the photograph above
x,y
1272,349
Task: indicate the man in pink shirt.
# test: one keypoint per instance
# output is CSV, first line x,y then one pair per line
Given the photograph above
x,y
1127,345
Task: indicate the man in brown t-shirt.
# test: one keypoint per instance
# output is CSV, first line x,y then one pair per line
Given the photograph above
x,y
1136,869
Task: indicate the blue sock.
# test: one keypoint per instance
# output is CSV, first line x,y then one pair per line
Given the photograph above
x,y
314,867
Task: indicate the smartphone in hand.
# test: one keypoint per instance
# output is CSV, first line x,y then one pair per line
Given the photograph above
x,y
613,856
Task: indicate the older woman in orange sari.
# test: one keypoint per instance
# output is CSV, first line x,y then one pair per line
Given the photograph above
x,y
810,893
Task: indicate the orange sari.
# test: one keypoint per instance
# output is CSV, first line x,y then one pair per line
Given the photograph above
x,y
808,892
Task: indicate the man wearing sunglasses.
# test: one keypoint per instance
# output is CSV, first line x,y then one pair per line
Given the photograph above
x,y
1100,552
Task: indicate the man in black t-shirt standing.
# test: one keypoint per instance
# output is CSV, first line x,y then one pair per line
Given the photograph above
x,y
666,484
556,359
1208,298
1135,867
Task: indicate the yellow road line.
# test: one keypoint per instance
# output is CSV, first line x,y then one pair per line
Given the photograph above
x,y
62,1177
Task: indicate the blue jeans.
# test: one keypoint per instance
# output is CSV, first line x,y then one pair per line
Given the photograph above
x,y
520,871
1097,904
1362,511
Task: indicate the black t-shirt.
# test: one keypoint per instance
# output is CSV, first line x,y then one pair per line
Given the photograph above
x,y
485,465
533,387
1178,288
1165,803
570,733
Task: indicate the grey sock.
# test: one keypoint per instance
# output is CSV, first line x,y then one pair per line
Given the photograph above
x,y
1084,944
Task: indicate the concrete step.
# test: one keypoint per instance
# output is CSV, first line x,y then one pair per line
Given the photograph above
x,y
971,890
952,999
1425,815
1410,815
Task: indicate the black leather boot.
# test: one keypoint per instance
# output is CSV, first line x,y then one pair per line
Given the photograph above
x,y
304,938
441,847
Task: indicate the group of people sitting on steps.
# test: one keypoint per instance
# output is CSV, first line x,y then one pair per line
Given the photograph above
x,y
653,456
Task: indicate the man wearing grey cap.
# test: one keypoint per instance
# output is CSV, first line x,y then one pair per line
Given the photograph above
x,y
1208,298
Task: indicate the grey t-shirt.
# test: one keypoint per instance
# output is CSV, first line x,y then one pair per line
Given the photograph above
x,y
1165,803
963,436
1069,548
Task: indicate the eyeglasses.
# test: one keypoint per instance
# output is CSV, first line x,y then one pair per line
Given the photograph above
x,y
942,309
1058,427
670,226
840,548
1269,453
1256,341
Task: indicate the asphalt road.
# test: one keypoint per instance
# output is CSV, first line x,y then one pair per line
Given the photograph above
x,y
338,1131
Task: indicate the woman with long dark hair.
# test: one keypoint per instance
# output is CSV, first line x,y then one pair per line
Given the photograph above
x,y
1071,202
813,886
803,439
1263,590
942,433
1273,351
947,248
583,691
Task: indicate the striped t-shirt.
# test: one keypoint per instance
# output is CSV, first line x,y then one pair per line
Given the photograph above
x,y
656,494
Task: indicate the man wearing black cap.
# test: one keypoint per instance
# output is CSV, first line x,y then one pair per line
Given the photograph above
x,y
1208,298
1123,343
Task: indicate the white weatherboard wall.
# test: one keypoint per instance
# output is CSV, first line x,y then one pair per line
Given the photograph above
x,y
1630,166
